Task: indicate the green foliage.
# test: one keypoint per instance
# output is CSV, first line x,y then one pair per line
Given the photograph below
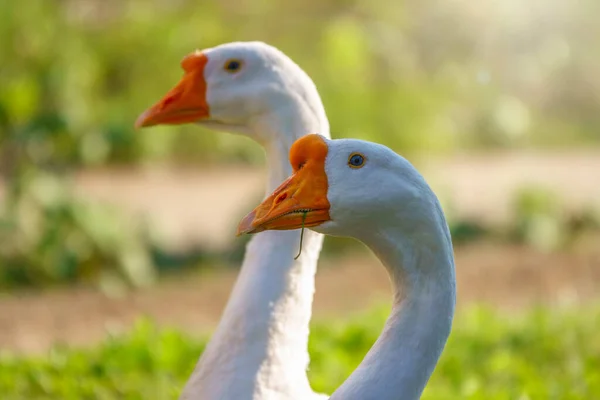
x,y
411,75
542,354
540,219
48,236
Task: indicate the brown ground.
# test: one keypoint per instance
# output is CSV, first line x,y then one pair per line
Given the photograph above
x,y
192,206
501,275
204,205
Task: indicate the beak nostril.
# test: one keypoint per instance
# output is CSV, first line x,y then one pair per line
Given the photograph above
x,y
281,198
169,100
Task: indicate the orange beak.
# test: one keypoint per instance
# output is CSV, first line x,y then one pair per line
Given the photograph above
x,y
300,201
186,102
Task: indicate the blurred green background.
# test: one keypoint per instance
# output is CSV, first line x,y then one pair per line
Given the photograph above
x,y
431,76
434,80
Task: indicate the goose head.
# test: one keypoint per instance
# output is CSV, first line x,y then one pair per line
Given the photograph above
x,y
364,190
237,87
345,187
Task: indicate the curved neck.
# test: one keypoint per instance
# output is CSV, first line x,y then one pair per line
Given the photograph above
x,y
421,269
260,345
278,130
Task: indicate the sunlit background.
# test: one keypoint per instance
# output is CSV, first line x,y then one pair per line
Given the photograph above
x,y
118,248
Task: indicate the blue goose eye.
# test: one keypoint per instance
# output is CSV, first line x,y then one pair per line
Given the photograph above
x,y
232,66
356,160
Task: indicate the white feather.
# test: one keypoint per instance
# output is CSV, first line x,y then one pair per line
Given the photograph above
x,y
387,205
259,349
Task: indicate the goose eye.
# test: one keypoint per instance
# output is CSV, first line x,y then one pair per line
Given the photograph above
x,y
356,160
232,66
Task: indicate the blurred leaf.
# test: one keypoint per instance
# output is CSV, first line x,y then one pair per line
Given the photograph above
x,y
546,353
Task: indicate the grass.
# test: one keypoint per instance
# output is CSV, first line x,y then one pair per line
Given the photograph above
x,y
541,354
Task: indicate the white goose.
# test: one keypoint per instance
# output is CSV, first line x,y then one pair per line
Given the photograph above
x,y
364,190
259,349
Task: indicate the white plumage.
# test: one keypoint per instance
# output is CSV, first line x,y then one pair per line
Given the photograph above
x,y
385,203
259,349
